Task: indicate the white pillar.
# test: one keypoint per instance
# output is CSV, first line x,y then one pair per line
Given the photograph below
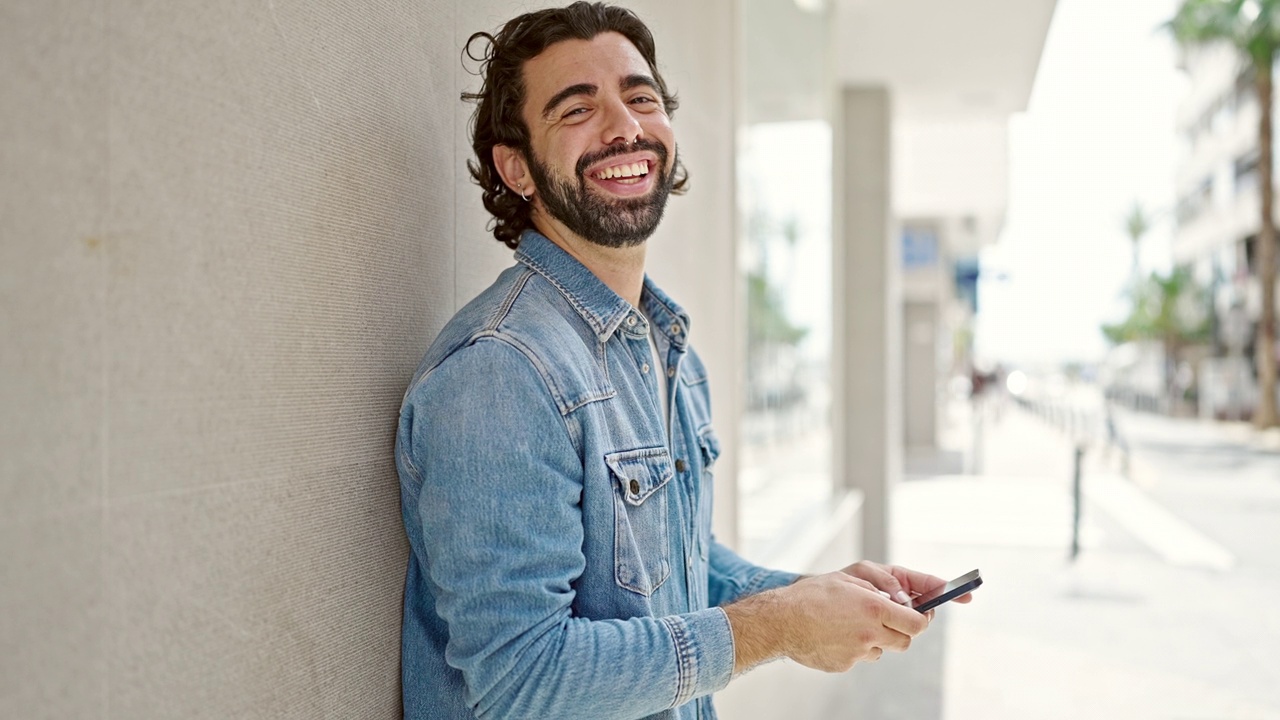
x,y
867,419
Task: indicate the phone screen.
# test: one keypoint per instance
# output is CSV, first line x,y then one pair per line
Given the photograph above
x,y
950,591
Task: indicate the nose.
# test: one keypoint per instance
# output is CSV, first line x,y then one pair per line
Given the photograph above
x,y
620,124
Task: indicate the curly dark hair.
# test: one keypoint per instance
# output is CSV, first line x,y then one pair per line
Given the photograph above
x,y
497,119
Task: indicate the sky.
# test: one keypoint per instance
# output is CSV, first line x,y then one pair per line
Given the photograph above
x,y
1098,135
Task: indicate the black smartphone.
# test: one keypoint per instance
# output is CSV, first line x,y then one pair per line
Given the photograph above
x,y
950,591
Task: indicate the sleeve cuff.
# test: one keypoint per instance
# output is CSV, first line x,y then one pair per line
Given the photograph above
x,y
768,580
704,652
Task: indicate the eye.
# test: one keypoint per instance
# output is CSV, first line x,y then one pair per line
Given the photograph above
x,y
646,103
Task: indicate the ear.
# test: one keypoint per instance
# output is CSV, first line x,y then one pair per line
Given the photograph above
x,y
513,169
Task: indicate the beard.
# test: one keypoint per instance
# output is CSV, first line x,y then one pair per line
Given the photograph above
x,y
613,223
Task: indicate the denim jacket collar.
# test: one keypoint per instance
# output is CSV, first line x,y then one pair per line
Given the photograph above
x,y
601,308
670,318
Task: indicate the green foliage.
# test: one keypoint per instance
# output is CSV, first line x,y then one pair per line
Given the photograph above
x,y
1252,26
766,321
1137,223
1171,308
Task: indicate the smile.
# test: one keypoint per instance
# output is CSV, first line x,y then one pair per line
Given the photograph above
x,y
626,171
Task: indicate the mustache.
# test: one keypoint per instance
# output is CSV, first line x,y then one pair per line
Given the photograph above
x,y
654,146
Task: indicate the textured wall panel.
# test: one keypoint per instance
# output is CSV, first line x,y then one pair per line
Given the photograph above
x,y
278,258
267,599
52,617
51,203
52,197
271,197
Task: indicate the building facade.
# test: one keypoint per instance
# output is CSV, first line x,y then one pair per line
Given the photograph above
x,y
1218,211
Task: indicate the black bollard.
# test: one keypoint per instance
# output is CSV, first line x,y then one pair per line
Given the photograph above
x,y
1075,504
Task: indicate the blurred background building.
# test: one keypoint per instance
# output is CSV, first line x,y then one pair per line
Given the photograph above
x,y
873,168
1217,221
901,113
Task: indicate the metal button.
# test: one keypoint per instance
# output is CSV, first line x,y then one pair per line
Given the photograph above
x,y
680,466
644,368
631,320
671,371
635,486
675,328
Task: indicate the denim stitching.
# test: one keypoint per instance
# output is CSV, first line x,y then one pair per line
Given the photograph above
x,y
597,323
509,301
614,462
686,683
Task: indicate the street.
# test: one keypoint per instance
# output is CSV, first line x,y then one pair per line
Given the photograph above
x,y
1166,613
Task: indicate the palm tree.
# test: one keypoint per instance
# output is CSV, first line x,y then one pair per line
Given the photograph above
x,y
1136,224
1172,309
1253,28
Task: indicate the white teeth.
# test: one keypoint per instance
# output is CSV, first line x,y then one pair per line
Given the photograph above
x,y
618,171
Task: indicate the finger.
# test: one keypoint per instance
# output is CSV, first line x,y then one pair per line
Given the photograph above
x,y
859,582
893,640
864,585
883,579
917,582
874,654
904,620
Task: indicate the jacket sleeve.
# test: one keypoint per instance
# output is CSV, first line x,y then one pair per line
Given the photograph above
x,y
501,539
731,577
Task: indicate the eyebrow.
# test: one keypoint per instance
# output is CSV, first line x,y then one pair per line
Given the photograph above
x,y
629,82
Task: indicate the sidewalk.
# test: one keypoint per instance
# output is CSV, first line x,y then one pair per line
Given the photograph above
x,y
1148,623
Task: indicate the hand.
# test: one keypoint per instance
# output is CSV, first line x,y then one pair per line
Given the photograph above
x,y
901,584
828,622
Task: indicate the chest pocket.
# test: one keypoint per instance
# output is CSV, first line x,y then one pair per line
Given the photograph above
x,y
641,537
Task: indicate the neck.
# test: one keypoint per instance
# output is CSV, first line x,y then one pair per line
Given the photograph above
x,y
621,269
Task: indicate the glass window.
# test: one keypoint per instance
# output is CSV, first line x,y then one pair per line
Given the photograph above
x,y
784,191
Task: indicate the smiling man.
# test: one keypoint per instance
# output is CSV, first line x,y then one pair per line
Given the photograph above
x,y
555,447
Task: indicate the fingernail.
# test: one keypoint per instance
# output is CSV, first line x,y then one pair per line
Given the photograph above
x,y
886,595
904,598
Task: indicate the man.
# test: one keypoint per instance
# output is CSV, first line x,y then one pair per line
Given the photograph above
x,y
555,447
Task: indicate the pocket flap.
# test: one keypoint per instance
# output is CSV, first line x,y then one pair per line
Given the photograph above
x,y
640,472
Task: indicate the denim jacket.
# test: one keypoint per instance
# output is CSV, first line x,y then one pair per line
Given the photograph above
x,y
562,559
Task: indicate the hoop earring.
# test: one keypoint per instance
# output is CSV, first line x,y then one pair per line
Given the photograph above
x,y
520,187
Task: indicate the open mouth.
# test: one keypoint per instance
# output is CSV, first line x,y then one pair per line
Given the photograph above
x,y
624,173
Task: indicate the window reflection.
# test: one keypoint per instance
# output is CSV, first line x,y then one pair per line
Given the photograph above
x,y
785,186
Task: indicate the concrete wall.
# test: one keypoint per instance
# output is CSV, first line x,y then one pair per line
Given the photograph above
x,y
229,230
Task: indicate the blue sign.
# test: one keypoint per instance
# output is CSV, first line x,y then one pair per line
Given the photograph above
x,y
919,248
